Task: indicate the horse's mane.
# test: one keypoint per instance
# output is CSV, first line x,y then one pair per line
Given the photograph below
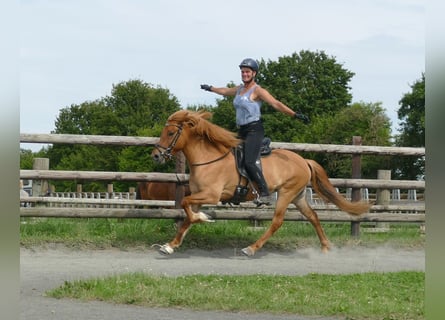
x,y
198,123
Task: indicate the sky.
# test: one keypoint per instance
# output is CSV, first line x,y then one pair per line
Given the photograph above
x,y
74,51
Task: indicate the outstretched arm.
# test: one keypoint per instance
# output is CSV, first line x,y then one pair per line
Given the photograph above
x,y
264,95
224,91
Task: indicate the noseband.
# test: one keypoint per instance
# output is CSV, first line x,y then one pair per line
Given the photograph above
x,y
167,154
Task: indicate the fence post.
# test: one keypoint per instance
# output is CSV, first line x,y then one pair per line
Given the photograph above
x,y
40,187
110,195
132,193
383,196
179,190
356,174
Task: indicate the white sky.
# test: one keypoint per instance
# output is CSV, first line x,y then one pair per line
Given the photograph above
x,y
74,51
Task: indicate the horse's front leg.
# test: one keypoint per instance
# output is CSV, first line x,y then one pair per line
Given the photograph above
x,y
277,221
189,202
170,247
195,201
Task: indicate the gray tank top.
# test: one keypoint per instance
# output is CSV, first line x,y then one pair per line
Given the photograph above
x,y
246,110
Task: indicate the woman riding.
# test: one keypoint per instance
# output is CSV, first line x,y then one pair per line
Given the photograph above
x,y
247,102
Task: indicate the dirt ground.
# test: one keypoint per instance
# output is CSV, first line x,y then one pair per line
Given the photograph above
x,y
42,269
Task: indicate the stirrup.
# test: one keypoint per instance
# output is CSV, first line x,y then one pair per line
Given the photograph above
x,y
264,200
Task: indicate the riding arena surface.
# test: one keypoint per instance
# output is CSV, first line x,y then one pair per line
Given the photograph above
x,y
45,268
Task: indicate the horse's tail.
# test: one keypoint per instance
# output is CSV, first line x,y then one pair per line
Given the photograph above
x,y
324,188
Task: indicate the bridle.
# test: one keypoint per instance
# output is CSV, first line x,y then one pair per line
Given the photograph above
x,y
167,154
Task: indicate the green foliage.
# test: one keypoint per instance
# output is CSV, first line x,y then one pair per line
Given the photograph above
x,y
311,82
412,116
367,120
26,159
139,105
134,108
412,131
317,85
138,159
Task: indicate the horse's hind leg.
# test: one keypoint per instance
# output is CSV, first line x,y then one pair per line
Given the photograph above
x,y
312,217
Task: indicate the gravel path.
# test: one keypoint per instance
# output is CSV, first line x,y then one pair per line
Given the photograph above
x,y
42,269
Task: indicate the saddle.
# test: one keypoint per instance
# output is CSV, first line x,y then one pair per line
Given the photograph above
x,y
241,191
239,156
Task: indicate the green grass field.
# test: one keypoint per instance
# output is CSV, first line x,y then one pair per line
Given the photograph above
x,y
355,296
395,295
103,233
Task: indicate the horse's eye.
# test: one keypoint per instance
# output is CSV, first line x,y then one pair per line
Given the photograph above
x,y
170,133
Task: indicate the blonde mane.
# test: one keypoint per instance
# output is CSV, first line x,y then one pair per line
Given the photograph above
x,y
199,125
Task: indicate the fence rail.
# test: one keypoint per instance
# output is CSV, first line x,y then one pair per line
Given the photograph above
x,y
150,141
183,178
223,214
130,208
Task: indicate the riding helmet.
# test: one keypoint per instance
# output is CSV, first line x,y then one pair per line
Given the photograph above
x,y
249,63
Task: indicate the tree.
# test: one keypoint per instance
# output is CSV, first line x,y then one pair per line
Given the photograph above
x,y
133,108
317,85
311,82
412,130
367,120
26,159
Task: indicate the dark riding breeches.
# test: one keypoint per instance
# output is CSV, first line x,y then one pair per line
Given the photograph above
x,y
252,135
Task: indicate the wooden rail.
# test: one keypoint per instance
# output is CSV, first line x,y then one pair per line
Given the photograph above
x,y
118,208
183,178
409,206
150,141
217,214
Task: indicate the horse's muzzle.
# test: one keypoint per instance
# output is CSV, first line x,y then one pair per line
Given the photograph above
x,y
157,156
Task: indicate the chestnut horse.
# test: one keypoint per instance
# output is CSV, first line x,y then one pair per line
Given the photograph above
x,y
214,176
158,190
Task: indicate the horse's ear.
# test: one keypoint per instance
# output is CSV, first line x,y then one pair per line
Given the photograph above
x,y
191,122
205,114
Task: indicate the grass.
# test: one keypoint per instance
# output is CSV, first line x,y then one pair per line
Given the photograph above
x,y
105,233
356,296
398,295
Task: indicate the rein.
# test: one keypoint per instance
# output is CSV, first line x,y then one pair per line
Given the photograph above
x,y
211,161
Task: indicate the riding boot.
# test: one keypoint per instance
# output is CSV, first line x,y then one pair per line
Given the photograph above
x,y
265,198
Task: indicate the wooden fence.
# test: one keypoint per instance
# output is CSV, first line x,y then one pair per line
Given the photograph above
x,y
383,211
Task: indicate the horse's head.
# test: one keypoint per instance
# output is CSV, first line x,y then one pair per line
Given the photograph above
x,y
172,136
182,126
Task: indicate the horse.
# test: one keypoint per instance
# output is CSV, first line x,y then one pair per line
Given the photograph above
x,y
158,190
214,176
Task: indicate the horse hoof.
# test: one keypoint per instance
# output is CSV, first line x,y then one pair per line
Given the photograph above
x,y
247,252
166,249
324,250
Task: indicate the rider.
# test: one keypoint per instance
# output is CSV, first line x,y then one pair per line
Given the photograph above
x,y
247,102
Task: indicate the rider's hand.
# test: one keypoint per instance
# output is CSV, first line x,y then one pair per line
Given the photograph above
x,y
302,117
206,87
